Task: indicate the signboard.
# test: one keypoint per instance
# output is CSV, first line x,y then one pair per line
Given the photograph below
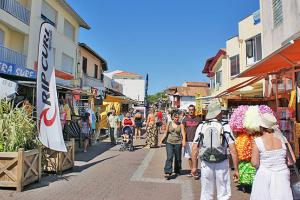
x,y
12,69
49,126
198,105
7,88
112,84
256,17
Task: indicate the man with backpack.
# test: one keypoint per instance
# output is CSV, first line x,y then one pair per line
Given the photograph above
x,y
212,139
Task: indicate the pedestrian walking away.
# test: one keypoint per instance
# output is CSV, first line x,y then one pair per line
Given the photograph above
x,y
174,141
86,131
213,139
138,121
113,124
152,133
269,155
190,123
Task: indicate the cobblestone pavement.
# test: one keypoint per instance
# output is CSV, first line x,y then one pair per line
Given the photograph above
x,y
105,173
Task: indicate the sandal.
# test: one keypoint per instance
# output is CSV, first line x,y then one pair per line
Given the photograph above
x,y
195,176
168,176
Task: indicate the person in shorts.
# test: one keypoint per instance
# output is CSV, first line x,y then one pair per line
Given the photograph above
x,y
86,131
190,123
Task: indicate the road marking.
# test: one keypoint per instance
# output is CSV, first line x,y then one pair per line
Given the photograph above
x,y
186,186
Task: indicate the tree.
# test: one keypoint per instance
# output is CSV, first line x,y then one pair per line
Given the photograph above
x,y
157,98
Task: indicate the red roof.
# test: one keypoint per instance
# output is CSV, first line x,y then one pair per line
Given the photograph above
x,y
211,62
127,75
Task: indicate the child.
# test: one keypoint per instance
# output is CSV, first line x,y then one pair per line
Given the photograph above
x,y
85,130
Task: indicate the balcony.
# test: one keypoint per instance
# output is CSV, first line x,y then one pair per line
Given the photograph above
x,y
12,57
88,81
16,9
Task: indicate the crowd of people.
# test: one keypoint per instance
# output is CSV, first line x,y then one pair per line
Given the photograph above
x,y
212,142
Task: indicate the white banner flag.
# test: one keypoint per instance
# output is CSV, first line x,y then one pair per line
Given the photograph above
x,y
49,126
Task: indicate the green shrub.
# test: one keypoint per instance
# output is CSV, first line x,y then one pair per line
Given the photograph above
x,y
17,128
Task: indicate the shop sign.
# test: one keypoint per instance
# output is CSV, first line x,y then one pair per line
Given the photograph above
x,y
112,84
12,69
7,88
256,17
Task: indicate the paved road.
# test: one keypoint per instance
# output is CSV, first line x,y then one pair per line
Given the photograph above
x,y
104,173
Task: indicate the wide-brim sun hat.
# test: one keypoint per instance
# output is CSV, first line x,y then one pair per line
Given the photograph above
x,y
213,109
268,121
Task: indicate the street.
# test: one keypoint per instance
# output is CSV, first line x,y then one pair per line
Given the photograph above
x,y
105,173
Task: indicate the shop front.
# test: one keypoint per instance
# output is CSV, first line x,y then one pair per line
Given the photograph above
x,y
281,74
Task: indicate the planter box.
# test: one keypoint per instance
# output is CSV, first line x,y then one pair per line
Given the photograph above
x,y
18,169
54,161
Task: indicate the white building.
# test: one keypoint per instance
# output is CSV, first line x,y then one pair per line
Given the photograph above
x,y
133,84
183,96
281,21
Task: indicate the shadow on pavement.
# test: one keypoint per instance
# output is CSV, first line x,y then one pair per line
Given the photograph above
x,y
51,178
93,151
47,180
84,167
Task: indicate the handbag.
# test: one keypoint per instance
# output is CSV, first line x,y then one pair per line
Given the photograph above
x,y
295,186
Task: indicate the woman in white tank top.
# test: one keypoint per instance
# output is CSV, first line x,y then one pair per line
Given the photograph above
x,y
269,156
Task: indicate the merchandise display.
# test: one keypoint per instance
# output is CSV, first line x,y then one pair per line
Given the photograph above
x,y
244,122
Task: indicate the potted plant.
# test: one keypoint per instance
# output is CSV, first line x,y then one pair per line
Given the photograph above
x,y
20,155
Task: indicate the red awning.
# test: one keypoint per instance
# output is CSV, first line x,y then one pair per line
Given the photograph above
x,y
286,57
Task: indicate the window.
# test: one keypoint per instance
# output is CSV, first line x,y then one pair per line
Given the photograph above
x,y
84,64
67,63
69,30
219,78
49,14
96,71
253,50
102,77
234,65
1,38
277,12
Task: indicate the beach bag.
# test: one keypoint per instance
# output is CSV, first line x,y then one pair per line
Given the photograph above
x,y
213,142
295,186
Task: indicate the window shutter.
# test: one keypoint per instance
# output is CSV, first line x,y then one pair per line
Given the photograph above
x,y
277,12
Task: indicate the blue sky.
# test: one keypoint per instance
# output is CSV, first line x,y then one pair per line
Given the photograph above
x,y
168,39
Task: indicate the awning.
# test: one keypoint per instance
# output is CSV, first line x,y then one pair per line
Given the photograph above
x,y
284,58
240,86
109,98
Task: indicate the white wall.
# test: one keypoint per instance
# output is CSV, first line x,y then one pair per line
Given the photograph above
x,y
186,101
273,37
133,88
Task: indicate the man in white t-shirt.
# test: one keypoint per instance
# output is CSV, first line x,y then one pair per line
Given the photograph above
x,y
212,139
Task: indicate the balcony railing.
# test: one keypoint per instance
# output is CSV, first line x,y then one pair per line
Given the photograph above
x,y
12,57
91,82
16,9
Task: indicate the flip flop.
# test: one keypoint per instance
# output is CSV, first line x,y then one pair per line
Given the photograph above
x,y
196,177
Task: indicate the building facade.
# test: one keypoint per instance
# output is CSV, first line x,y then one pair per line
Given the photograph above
x,y
281,21
183,96
133,84
20,23
241,52
90,71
